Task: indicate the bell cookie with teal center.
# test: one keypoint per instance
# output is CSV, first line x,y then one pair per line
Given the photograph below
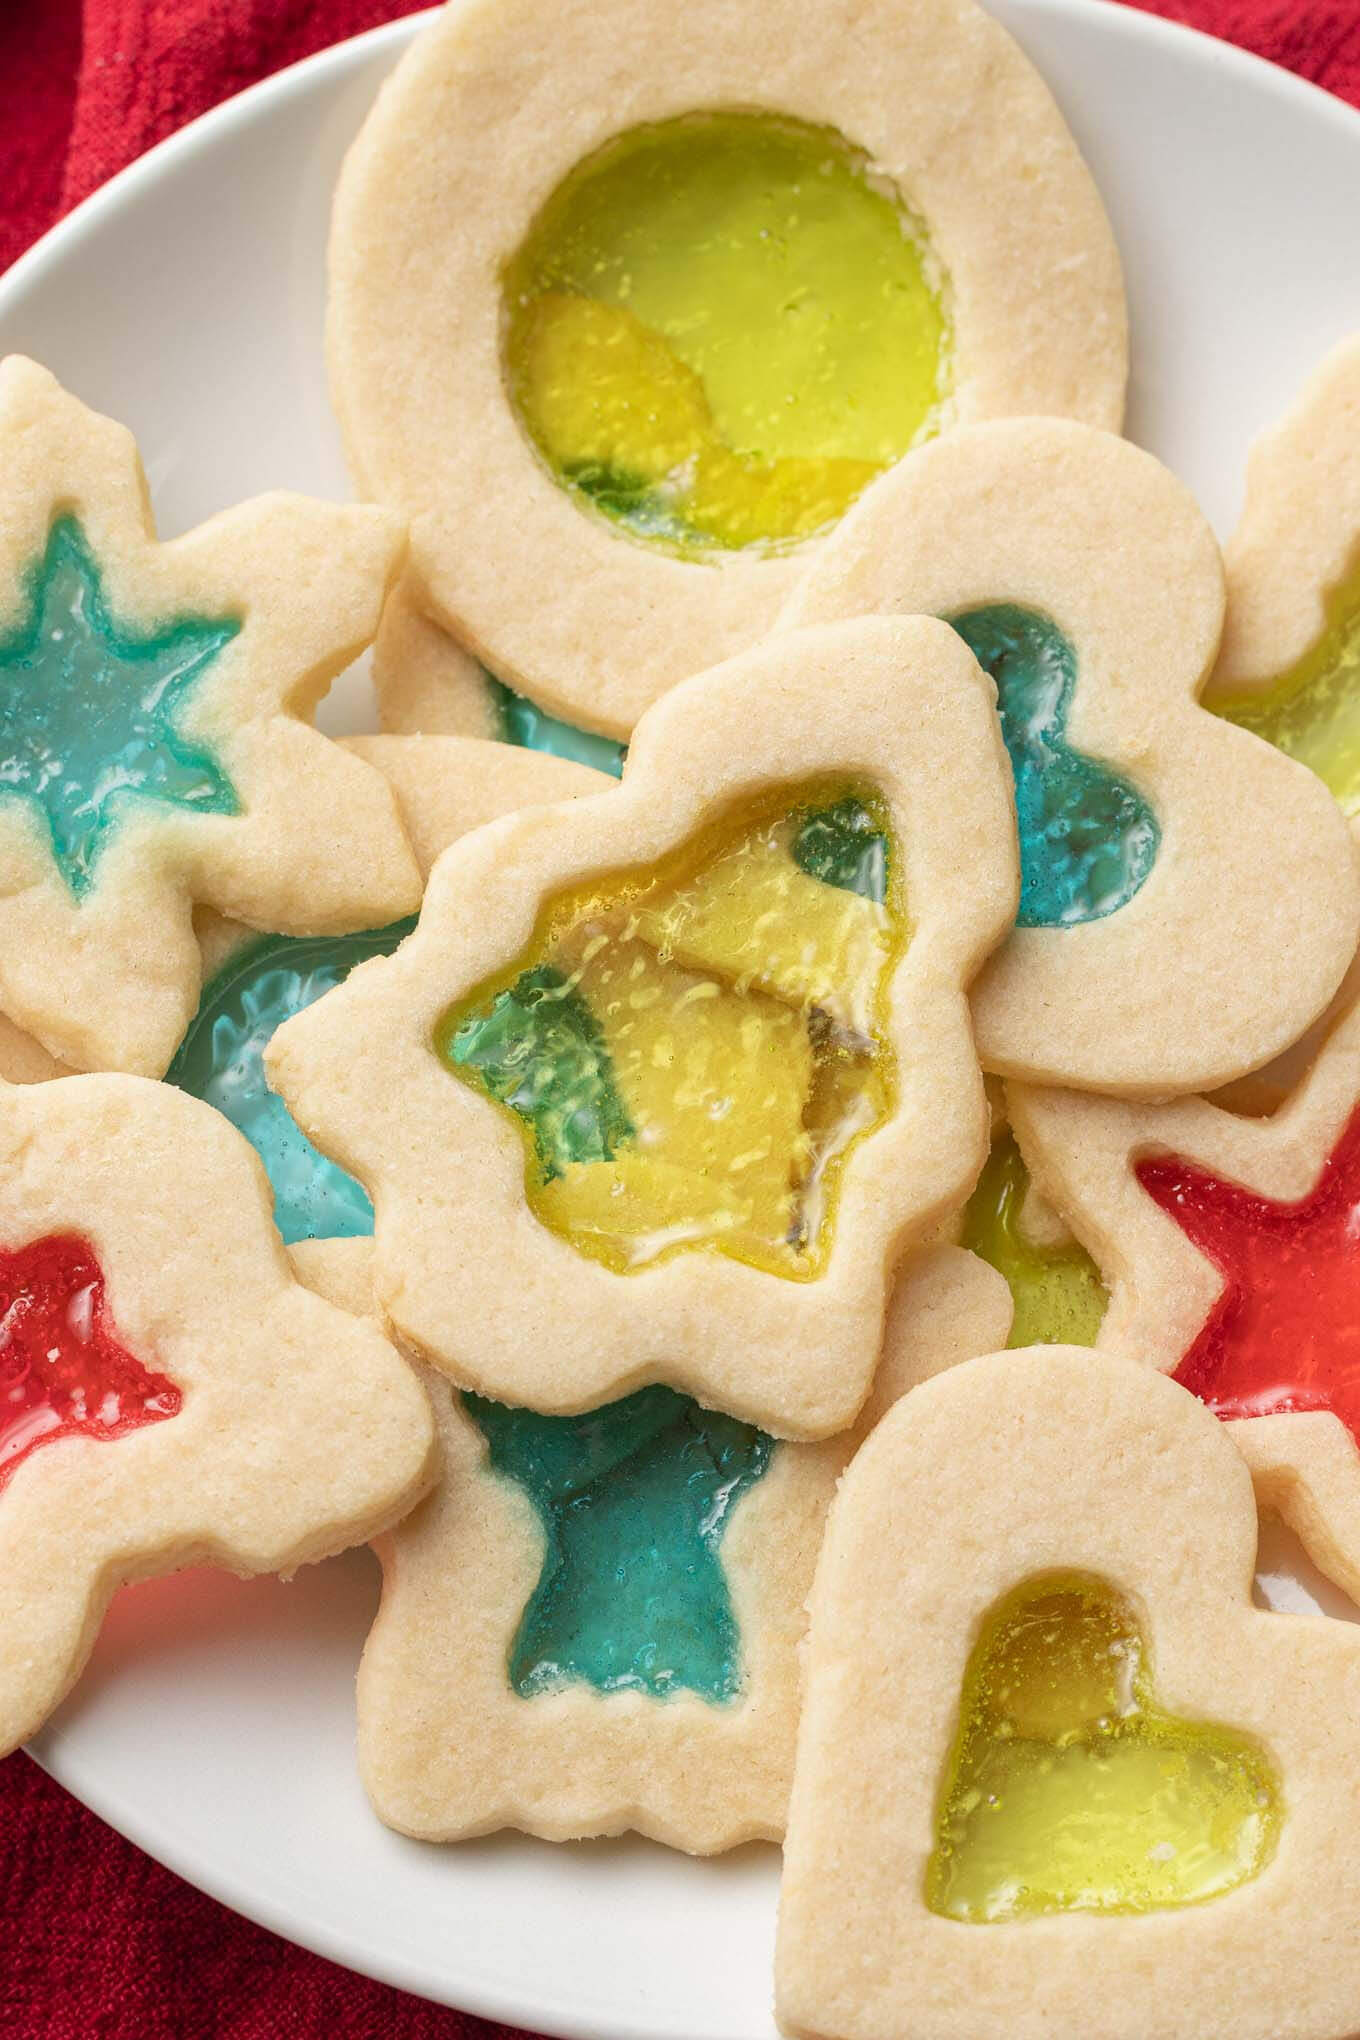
x,y
1229,1242
1289,668
1057,1773
668,1080
169,1394
156,741
1163,852
594,1623
658,421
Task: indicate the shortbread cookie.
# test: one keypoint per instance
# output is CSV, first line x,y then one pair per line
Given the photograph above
x,y
1188,899
614,428
1290,665
444,786
666,1081
1230,1246
156,747
1056,1775
595,1622
171,1395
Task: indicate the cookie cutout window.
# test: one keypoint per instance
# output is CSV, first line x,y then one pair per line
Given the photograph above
x,y
64,1372
220,1060
517,720
1069,1790
1087,837
692,1050
1285,1332
89,710
720,328
1312,711
1058,1294
634,1499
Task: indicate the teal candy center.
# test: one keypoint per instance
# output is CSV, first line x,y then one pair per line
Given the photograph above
x,y
1088,839
634,1499
221,1059
88,710
519,721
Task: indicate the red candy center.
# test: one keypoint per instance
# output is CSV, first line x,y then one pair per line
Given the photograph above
x,y
1285,1334
63,1372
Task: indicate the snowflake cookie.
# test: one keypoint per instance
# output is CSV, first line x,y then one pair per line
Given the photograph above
x,y
170,1395
1057,1778
595,1622
667,1079
1189,897
1228,1246
155,743
535,335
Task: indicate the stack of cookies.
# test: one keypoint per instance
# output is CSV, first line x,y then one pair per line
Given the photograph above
x,y
787,1137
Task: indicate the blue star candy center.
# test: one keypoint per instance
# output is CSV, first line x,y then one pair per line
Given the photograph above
x,y
88,710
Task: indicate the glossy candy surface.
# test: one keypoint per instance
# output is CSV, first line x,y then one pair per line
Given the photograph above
x,y
1088,839
691,1050
90,711
521,721
1058,1294
1285,1333
634,1500
1068,1790
64,1373
1313,711
721,328
221,1059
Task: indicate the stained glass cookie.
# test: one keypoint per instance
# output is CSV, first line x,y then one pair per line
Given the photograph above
x,y
666,1081
1056,1774
169,1394
1188,897
156,747
535,336
595,1622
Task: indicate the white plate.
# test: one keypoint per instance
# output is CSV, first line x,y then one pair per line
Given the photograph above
x,y
215,1726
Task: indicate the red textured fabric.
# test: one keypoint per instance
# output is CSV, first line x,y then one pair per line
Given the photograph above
x,y
100,1943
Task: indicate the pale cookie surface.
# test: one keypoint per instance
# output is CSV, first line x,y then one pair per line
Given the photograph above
x,y
156,748
484,122
1229,1248
641,1670
604,1140
1188,895
1056,1775
1289,669
173,1396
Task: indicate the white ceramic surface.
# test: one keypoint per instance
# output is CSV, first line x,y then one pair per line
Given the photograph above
x,y
215,1726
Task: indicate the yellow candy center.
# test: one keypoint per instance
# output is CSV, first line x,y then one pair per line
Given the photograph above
x,y
1068,1790
1056,1287
1312,712
690,1051
719,329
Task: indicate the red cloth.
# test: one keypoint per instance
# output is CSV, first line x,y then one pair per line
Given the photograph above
x,y
100,1943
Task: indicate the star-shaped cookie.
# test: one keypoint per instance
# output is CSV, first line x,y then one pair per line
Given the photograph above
x,y
156,748
668,1079
1188,895
170,1394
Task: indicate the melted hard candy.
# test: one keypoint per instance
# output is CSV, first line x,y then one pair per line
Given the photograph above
x,y
520,721
1058,1294
634,1500
1069,1790
64,1372
1285,1333
1088,839
1312,712
692,1050
721,328
91,711
221,1059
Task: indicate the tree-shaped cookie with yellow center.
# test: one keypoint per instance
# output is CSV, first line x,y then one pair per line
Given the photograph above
x,y
1228,1245
667,1081
1056,1774
170,1394
595,1623
156,748
1188,895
